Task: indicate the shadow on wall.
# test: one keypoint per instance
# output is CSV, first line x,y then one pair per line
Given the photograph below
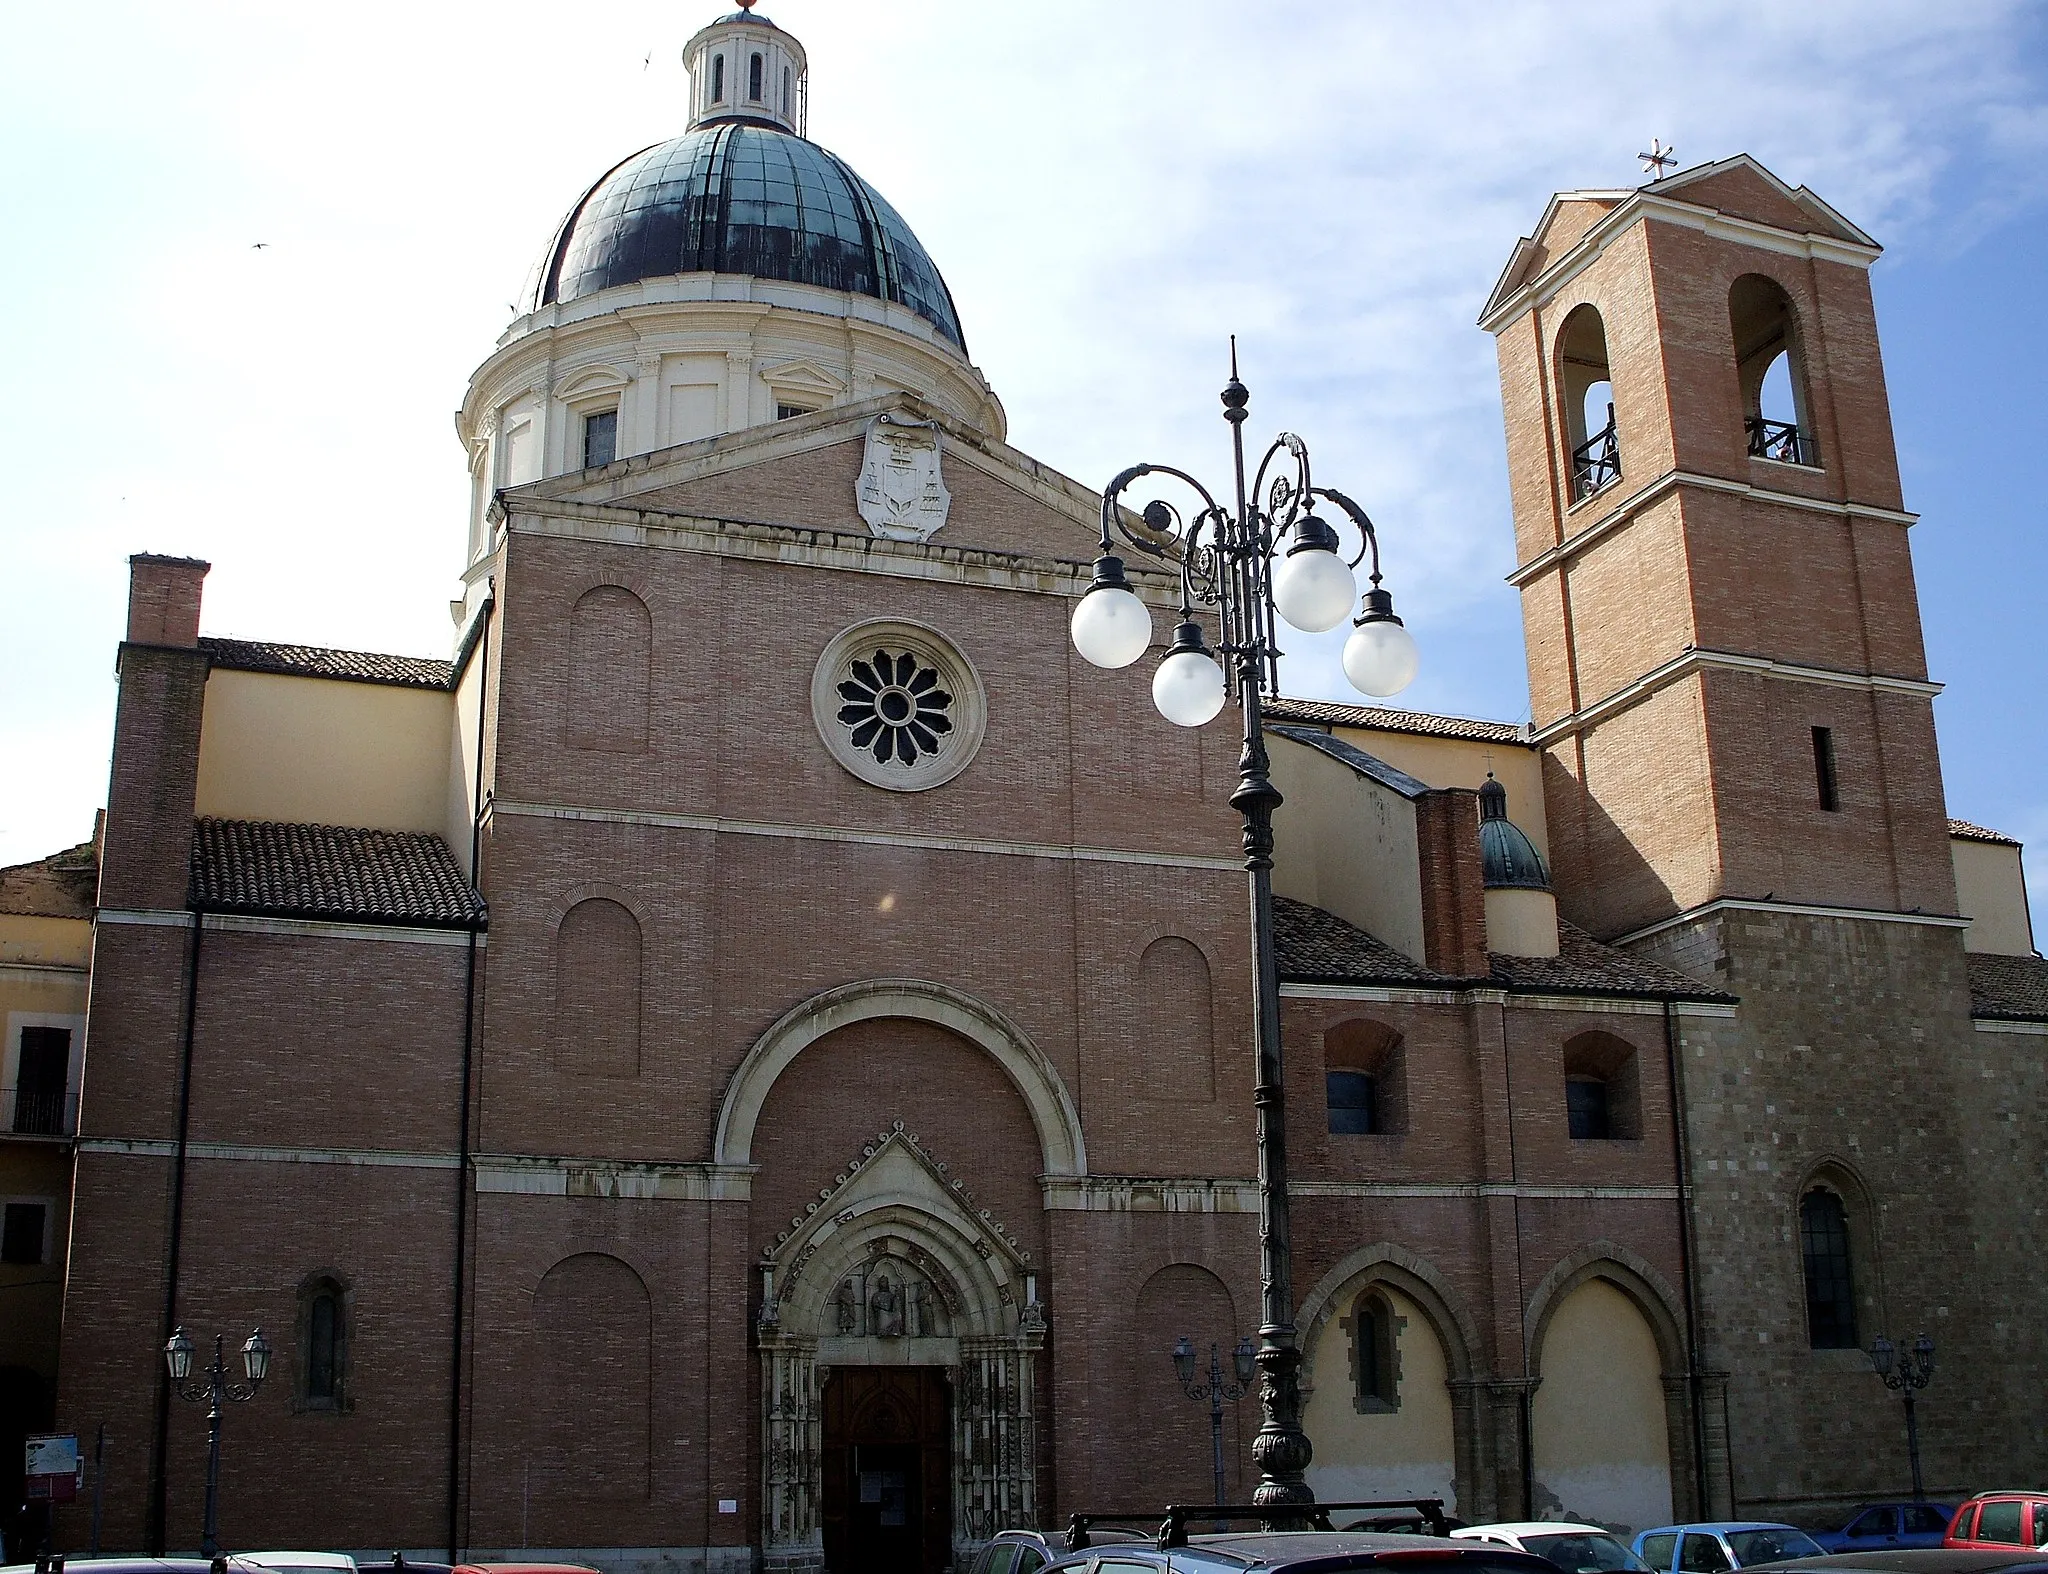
x,y
1603,883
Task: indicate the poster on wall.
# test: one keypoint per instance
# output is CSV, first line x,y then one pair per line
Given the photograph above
x,y
52,1469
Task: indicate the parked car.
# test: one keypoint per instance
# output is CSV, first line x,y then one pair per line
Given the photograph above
x,y
399,1563
521,1568
1914,1560
116,1566
1324,1551
1877,1525
298,1562
1717,1546
1577,1549
1028,1551
2000,1520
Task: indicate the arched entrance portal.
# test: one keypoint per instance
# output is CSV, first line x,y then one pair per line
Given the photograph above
x,y
899,1338
887,1470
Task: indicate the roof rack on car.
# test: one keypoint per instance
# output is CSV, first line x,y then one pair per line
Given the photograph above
x,y
1173,1530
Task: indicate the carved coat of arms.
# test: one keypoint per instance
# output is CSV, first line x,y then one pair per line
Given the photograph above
x,y
900,492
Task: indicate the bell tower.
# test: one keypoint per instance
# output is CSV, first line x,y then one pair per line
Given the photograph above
x,y
1725,658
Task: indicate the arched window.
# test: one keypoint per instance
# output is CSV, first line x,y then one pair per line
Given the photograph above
x,y
1771,372
1375,1355
323,1344
1602,1088
611,637
1363,1084
597,990
718,79
785,92
1830,1282
1588,389
754,78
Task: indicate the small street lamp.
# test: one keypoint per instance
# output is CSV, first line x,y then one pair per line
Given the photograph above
x,y
212,1386
1215,1390
1268,559
1905,1373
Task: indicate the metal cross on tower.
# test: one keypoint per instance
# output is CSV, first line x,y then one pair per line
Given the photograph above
x,y
1658,159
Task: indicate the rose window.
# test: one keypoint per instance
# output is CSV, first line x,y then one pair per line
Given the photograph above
x,y
894,707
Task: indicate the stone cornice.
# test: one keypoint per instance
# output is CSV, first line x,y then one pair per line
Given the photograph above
x,y
1734,904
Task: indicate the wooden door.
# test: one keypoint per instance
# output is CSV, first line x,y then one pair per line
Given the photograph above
x,y
888,1470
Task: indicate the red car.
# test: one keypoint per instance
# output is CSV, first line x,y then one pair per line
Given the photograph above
x,y
1996,1520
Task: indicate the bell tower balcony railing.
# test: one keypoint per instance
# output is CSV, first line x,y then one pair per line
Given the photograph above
x,y
1596,462
1782,441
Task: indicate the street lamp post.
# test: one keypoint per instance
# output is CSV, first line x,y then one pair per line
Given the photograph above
x,y
1905,1372
213,1386
1215,1389
1226,560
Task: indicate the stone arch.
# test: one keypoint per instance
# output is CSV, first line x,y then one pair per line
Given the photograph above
x,y
1052,1109
1835,1173
1365,1046
1585,383
1605,1058
611,662
1413,1277
1633,1277
1764,329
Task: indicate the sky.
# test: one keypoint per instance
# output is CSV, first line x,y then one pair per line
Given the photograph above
x,y
1110,191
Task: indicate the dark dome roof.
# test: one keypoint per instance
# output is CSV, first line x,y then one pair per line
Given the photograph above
x,y
1507,858
747,198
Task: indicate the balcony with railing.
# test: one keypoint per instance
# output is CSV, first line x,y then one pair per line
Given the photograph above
x,y
1781,441
1596,462
37,1112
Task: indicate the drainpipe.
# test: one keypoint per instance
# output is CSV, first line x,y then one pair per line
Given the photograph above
x,y
462,1179
1681,1164
159,1479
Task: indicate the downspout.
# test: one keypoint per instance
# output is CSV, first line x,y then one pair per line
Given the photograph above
x,y
462,1180
1681,1164
1526,1405
159,1474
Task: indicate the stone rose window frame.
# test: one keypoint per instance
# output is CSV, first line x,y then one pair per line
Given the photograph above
x,y
898,705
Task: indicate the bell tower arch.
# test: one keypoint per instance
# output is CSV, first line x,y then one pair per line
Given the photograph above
x,y
1726,667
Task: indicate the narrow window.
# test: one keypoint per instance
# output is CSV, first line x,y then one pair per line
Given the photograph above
x,y
1372,1330
1352,1104
323,1336
41,1079
1588,389
754,78
718,79
600,438
21,1236
1830,1294
786,412
1824,767
1585,1104
785,92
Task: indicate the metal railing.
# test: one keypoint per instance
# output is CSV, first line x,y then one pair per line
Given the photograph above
x,y
1596,462
1779,440
31,1112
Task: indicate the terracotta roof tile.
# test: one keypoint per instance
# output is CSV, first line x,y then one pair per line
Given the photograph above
x,y
317,661
1317,947
2012,987
1326,713
334,872
1965,831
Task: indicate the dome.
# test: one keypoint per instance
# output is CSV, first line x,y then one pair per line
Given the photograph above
x,y
743,197
1508,860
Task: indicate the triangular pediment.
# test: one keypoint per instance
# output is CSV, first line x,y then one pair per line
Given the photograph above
x,y
1742,188
805,472
804,377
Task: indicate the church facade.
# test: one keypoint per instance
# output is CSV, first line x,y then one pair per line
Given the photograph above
x,y
745,1064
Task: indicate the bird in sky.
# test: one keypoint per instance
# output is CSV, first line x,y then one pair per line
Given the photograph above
x,y
261,245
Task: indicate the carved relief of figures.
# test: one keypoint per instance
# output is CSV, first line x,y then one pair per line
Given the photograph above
x,y
885,1308
915,1322
848,1308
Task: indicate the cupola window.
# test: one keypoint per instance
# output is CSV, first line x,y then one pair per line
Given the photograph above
x,y
718,79
754,78
785,92
600,438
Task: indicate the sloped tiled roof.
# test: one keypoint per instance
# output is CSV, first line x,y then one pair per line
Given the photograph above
x,y
1317,947
318,661
2012,987
339,873
1327,713
63,885
1965,831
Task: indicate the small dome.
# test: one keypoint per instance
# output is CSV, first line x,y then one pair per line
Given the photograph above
x,y
1508,860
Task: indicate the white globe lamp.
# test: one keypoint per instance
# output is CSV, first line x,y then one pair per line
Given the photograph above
x,y
1380,657
1111,626
1312,587
1188,688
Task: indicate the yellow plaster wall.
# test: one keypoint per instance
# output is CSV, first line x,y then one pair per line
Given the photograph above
x,y
1601,1452
49,942
1406,1453
1346,844
1991,891
1457,762
325,753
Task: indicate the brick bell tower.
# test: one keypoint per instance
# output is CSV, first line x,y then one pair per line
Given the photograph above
x,y
1717,593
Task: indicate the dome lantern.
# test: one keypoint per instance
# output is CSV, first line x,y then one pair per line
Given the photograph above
x,y
745,69
1521,911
